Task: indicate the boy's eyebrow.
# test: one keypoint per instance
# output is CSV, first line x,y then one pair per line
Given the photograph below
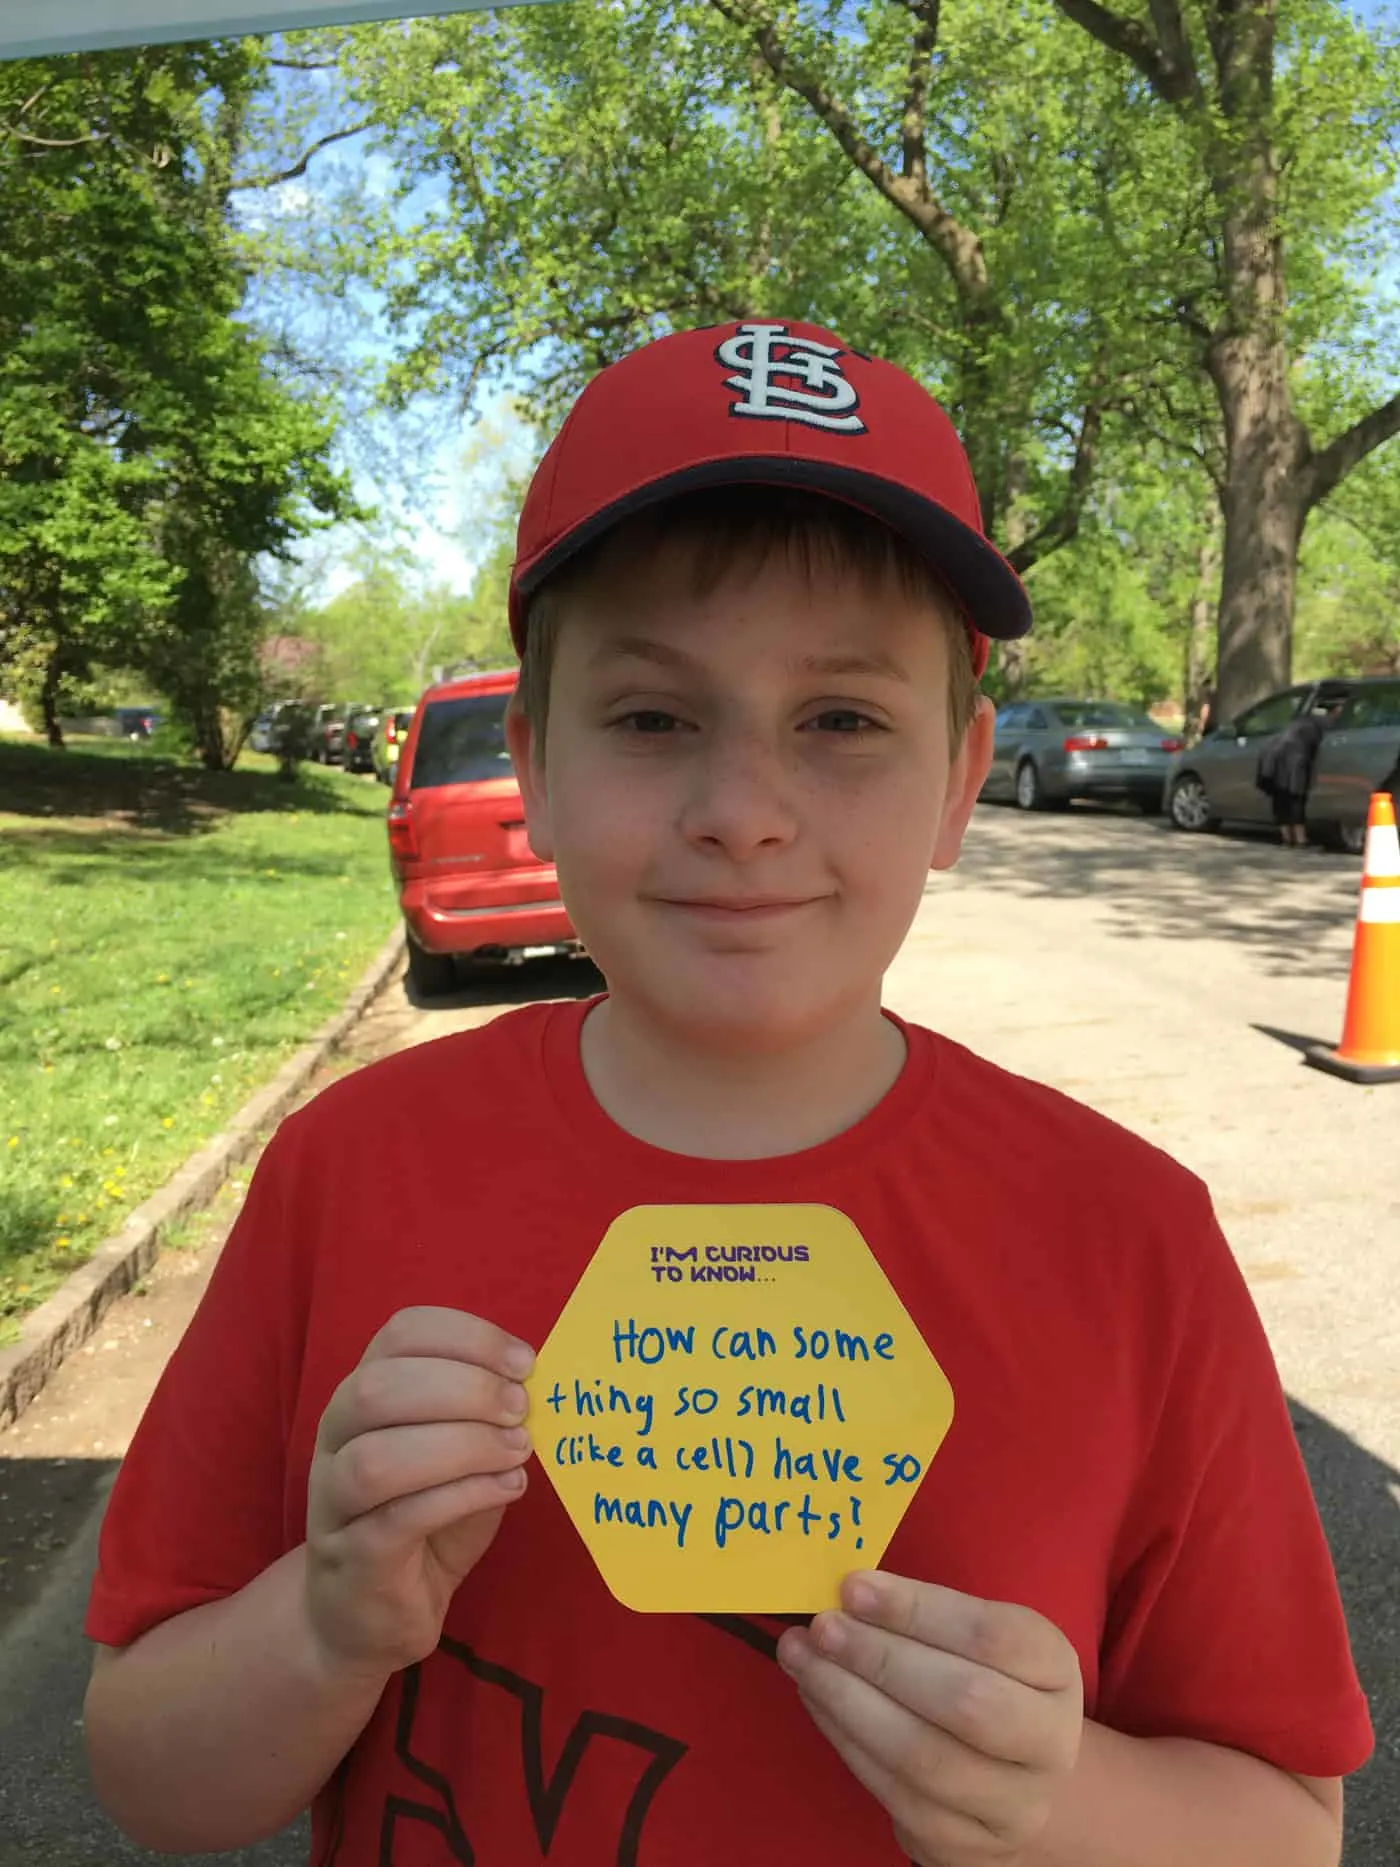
x,y
664,654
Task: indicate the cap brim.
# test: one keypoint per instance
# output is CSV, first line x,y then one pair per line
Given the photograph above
x,y
982,580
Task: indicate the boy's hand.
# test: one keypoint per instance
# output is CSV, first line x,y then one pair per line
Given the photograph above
x,y
962,1717
417,1456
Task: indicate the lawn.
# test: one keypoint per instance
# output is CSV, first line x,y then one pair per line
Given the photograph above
x,y
168,937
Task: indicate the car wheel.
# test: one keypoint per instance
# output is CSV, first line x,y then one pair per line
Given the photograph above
x,y
1189,806
431,973
1351,837
1030,792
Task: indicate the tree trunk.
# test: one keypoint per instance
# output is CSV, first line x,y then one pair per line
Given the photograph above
x,y
1264,515
1266,446
1198,690
48,699
1013,657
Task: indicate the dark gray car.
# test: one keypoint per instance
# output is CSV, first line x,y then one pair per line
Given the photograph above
x,y
1049,751
1360,754
1214,782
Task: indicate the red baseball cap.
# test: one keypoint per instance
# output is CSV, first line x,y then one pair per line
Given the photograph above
x,y
769,404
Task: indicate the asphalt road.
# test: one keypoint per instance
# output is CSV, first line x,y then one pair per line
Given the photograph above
x,y
1171,982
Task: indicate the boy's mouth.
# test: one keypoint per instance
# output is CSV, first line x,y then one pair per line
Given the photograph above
x,y
739,907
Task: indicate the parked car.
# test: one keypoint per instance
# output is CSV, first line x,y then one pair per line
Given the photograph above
x,y
270,729
388,742
469,884
137,722
1050,751
328,730
260,732
1214,782
1360,755
357,745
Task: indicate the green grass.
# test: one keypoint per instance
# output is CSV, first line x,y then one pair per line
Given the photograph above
x,y
167,938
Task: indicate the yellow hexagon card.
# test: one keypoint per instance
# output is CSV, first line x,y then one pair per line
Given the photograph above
x,y
735,1408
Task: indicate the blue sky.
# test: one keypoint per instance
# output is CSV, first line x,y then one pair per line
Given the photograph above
x,y
433,473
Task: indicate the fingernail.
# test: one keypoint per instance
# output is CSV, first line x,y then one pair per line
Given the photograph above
x,y
517,1402
519,1359
862,1595
794,1651
831,1635
512,1480
516,1438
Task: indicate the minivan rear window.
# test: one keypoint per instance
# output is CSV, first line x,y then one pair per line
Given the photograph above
x,y
462,741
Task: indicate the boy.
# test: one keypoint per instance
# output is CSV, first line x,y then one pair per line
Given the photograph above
x,y
753,599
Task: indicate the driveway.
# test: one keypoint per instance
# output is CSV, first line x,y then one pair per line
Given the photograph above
x,y
1169,981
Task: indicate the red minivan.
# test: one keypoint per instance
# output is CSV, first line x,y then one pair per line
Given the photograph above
x,y
469,885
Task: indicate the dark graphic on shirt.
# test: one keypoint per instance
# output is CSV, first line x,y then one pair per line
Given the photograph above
x,y
761,1632
654,1756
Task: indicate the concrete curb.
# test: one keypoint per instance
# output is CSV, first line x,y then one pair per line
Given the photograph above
x,y
52,1332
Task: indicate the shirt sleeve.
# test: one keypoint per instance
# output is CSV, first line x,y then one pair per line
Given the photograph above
x,y
1225,1622
198,1508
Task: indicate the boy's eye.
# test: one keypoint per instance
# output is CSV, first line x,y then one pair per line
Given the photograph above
x,y
649,720
843,720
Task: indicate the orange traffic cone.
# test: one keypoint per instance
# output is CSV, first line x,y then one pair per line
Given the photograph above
x,y
1370,1048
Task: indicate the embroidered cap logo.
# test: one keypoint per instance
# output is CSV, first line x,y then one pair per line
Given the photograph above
x,y
786,378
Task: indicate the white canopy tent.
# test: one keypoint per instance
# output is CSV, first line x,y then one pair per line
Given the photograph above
x,y
31,28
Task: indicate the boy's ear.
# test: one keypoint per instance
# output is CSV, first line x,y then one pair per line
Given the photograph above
x,y
966,777
529,775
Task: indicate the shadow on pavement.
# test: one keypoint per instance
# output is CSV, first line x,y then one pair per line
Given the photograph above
x,y
530,983
48,1817
1154,882
1294,1040
1358,1495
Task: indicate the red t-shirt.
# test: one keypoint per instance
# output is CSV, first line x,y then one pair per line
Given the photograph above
x,y
1121,1458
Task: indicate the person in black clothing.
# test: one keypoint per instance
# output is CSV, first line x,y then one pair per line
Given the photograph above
x,y
1285,772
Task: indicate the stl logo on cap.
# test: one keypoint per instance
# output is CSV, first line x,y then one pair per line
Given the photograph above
x,y
766,354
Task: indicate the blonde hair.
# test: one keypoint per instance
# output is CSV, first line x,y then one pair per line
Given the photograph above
x,y
739,529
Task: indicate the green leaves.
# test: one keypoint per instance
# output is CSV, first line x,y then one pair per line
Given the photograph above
x,y
147,452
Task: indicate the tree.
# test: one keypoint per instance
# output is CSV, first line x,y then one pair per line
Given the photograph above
x,y
1126,613
597,176
1081,238
1286,110
147,453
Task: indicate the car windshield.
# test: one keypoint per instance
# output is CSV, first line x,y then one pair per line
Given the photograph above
x,y
1100,713
462,741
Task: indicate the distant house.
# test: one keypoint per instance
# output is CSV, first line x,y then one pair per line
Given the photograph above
x,y
290,660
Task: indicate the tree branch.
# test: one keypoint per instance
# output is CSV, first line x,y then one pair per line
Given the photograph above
x,y
913,124
54,142
1063,525
299,167
1175,43
1326,469
1134,42
1176,443
960,249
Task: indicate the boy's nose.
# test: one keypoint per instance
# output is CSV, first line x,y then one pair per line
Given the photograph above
x,y
740,801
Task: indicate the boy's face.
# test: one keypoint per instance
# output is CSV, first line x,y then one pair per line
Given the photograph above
x,y
744,793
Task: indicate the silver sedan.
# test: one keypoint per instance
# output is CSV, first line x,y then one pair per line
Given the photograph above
x,y
1049,751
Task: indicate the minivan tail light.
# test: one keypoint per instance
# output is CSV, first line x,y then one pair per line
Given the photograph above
x,y
1086,742
1173,745
403,833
